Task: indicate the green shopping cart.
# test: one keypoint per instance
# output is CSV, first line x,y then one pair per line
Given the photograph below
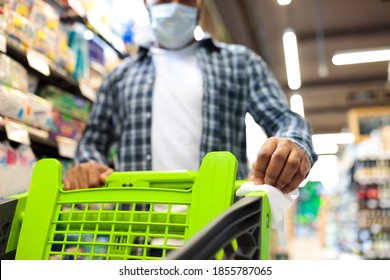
x,y
140,215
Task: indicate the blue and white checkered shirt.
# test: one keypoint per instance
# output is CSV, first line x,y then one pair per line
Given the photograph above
x,y
236,81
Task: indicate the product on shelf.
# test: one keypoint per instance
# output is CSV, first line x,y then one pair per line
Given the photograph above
x,y
370,189
96,53
26,107
19,31
13,73
46,22
22,7
11,102
16,165
39,114
80,46
65,56
45,42
44,15
67,126
66,103
3,16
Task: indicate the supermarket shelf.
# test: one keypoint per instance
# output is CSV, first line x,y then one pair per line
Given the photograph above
x,y
109,40
42,144
57,77
383,155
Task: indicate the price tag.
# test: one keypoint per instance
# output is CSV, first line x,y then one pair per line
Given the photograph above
x,y
3,44
17,132
66,146
87,91
38,62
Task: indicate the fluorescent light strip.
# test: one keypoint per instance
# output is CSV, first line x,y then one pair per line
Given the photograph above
x,y
292,60
296,103
284,2
362,56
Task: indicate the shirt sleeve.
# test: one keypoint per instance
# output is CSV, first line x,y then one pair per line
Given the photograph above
x,y
96,140
270,109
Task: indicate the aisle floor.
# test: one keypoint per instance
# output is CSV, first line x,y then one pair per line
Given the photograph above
x,y
310,248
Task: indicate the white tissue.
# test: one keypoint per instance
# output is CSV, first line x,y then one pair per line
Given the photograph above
x,y
278,201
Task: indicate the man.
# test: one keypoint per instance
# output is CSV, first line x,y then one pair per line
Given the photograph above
x,y
179,99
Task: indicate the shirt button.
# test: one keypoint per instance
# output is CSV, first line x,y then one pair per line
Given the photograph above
x,y
148,157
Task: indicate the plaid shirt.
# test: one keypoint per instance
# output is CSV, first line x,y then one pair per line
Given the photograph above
x,y
236,81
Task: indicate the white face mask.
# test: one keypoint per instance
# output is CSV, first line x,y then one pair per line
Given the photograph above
x,y
173,24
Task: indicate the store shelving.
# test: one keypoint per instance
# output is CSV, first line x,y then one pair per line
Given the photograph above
x,y
41,141
74,11
57,77
364,207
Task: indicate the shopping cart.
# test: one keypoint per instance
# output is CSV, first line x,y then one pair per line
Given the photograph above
x,y
144,215
11,212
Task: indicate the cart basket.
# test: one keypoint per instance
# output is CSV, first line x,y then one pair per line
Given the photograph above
x,y
144,215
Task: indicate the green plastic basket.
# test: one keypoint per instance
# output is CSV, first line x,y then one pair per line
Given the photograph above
x,y
137,215
90,223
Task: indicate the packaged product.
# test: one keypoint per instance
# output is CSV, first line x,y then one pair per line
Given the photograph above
x,y
67,126
3,16
38,112
16,166
19,31
96,52
13,73
65,57
12,103
26,107
69,59
22,7
80,46
43,15
45,41
66,102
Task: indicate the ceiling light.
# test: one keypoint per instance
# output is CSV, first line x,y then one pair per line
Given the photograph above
x,y
296,104
361,56
284,2
292,60
88,35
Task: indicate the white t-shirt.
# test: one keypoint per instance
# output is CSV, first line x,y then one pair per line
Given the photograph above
x,y
176,109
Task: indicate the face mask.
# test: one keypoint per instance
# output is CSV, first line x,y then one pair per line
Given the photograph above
x,y
173,25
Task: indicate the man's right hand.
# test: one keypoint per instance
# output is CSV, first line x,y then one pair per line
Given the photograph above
x,y
86,175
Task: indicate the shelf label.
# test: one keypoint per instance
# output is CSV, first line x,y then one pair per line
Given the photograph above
x,y
66,147
3,43
87,91
17,132
38,62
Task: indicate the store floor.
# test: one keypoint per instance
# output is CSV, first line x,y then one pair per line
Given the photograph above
x,y
309,248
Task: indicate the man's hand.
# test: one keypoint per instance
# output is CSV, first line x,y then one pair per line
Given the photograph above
x,y
282,164
86,175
